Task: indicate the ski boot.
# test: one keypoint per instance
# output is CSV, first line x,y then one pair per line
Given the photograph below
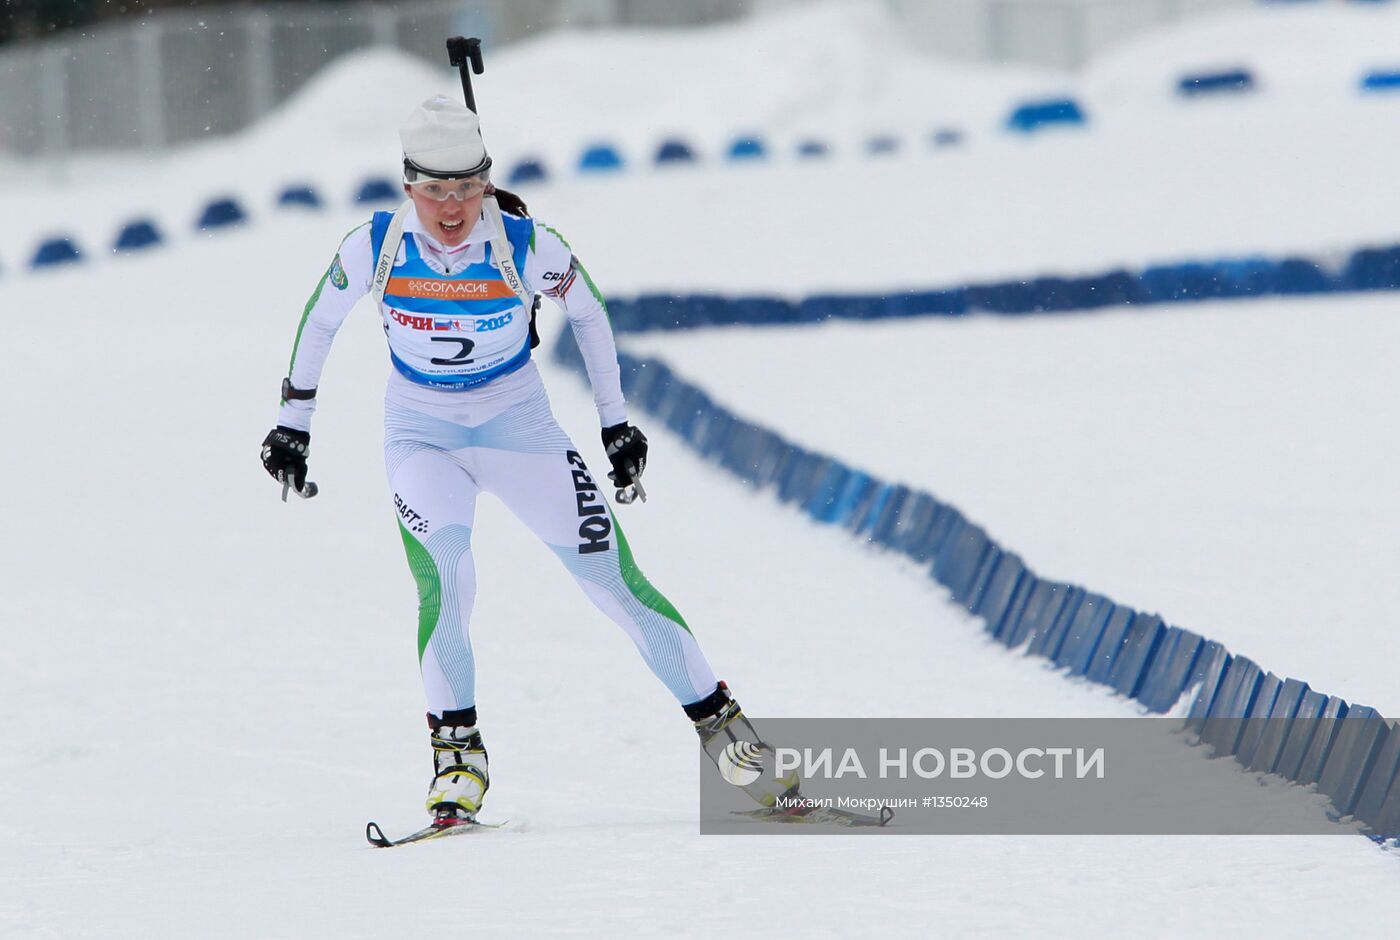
x,y
731,742
460,775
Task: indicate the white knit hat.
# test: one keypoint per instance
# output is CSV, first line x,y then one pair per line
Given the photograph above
x,y
442,137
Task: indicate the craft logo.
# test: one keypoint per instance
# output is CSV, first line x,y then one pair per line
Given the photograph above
x,y
337,274
412,520
740,763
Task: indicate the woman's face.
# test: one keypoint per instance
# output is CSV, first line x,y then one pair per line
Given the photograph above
x,y
450,219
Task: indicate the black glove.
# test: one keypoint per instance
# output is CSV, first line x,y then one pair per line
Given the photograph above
x,y
626,448
284,453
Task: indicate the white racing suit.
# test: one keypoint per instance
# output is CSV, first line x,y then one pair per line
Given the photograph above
x,y
466,412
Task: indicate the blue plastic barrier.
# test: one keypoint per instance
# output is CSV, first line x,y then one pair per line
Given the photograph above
x,y
1302,276
1334,712
1140,645
1278,721
1111,643
1169,673
1083,632
882,145
299,195
1055,112
1360,737
527,171
221,213
1268,723
1228,81
1047,642
1372,269
1259,712
1382,778
600,158
809,149
136,235
56,251
1042,607
1299,735
378,189
674,150
747,148
1381,80
1224,723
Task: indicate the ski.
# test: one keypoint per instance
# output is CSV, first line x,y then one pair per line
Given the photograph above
x,y
820,816
376,836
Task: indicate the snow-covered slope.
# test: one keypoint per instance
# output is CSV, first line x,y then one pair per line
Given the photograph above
x,y
206,691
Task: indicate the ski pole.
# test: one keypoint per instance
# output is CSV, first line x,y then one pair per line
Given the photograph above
x,y
460,52
305,491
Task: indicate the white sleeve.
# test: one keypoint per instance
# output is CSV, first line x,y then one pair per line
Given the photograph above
x,y
340,288
552,269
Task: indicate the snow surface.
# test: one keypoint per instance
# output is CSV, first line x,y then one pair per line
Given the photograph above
x,y
206,692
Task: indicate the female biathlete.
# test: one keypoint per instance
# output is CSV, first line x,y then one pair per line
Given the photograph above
x,y
455,273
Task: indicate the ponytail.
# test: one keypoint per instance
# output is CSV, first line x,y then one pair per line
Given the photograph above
x,y
509,202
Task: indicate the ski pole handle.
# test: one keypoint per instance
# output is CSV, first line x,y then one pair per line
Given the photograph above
x,y
461,52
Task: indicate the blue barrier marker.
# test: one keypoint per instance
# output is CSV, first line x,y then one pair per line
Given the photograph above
x,y
1275,728
1386,821
1360,738
1042,605
1110,644
1301,276
527,171
221,213
1140,644
55,251
137,234
379,189
1300,733
1006,297
1238,689
299,195
1170,670
912,524
1230,81
1056,112
1003,630
1083,633
1001,588
957,566
930,545
1256,720
674,150
748,148
1382,778
1329,723
600,158
946,137
1373,269
919,303
813,149
1381,80
1210,669
882,145
1047,642
991,557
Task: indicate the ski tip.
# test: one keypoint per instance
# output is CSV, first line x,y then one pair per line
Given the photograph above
x,y
376,836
